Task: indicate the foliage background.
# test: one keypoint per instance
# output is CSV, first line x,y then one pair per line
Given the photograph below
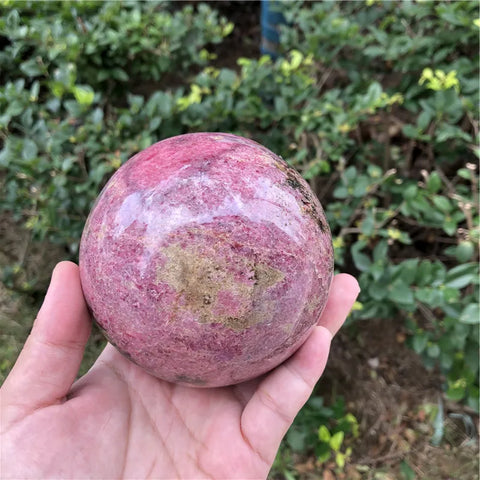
x,y
375,103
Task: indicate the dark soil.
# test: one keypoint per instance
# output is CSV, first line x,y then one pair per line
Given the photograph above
x,y
391,393
245,40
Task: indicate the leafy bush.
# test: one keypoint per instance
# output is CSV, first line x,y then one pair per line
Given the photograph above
x,y
329,431
404,203
67,115
375,103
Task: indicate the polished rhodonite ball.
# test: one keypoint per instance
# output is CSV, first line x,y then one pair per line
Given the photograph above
x,y
206,259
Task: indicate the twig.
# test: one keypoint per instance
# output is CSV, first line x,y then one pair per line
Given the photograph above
x,y
409,157
324,78
465,207
381,459
359,208
23,255
474,183
408,28
331,180
474,123
427,313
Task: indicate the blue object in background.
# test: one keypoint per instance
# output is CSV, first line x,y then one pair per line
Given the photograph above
x,y
271,19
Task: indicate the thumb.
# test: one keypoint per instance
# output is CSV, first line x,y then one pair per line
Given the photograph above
x,y
50,359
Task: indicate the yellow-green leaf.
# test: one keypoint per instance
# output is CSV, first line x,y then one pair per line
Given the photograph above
x,y
337,440
83,94
324,434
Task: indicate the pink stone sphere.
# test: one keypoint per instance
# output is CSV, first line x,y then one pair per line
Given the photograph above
x,y
206,259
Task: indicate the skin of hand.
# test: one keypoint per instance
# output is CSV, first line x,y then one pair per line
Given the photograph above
x,y
119,422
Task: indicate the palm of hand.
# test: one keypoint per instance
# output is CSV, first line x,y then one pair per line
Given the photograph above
x,y
119,422
167,431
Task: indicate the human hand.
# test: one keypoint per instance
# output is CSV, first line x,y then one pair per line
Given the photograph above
x,y
119,422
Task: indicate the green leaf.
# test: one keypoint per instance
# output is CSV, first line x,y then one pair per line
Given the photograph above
x,y
424,119
471,314
31,68
457,389
411,131
380,251
29,150
83,94
374,171
447,132
377,270
34,90
228,29
323,452
373,93
4,155
336,441
119,74
367,226
377,290
289,475
449,225
451,295
464,251
419,343
400,293
410,192
473,399
360,186
57,88
296,439
340,192
434,182
408,270
340,460
424,273
281,106
464,173
407,472
97,116
432,297
154,123
462,275
361,261
433,351
374,51
135,102
442,203
323,434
